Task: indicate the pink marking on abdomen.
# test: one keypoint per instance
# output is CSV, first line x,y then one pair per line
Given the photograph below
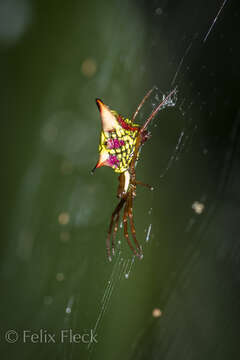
x,y
113,160
115,143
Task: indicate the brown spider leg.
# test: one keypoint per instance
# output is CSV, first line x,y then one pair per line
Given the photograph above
x,y
115,212
132,226
146,185
125,225
134,158
142,102
156,111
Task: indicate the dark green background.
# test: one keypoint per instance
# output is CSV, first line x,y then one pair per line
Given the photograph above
x,y
49,143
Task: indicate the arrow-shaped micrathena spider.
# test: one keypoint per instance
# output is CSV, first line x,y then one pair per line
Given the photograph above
x,y
119,147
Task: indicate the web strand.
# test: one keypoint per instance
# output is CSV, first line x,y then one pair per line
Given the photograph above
x,y
214,21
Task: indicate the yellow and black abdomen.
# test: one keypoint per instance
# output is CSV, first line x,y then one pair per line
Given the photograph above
x,y
117,144
121,146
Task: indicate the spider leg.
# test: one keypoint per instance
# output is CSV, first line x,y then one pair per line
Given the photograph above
x,y
128,215
132,226
142,102
116,214
156,110
146,185
125,226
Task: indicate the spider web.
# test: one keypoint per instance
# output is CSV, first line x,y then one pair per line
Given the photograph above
x,y
182,144
59,220
123,266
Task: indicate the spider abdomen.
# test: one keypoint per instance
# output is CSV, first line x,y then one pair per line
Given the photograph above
x,y
117,141
121,144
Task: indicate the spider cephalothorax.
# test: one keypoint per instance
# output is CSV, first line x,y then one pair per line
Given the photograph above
x,y
120,143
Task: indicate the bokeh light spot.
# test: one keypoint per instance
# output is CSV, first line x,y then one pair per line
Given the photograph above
x,y
156,313
63,218
198,207
60,277
89,67
64,236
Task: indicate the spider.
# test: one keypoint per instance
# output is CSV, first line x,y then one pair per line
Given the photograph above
x,y
120,144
